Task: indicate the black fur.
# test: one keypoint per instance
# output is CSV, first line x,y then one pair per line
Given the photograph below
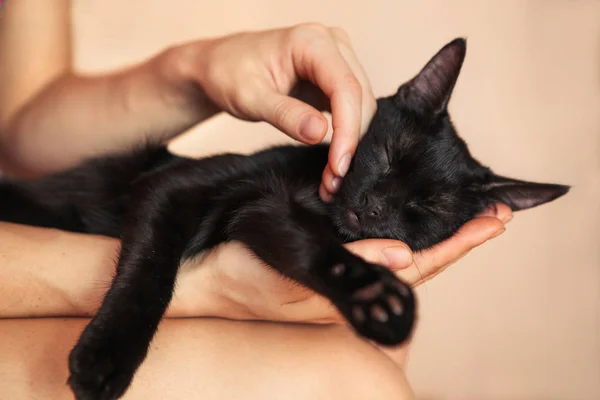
x,y
412,179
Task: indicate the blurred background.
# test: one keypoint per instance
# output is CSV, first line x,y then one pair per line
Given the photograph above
x,y
518,318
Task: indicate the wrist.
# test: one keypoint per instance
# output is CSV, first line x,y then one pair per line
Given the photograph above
x,y
180,68
197,293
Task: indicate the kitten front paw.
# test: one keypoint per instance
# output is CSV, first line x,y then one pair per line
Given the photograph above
x,y
99,371
377,304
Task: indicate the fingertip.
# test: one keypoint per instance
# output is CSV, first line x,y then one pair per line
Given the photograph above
x,y
504,212
343,164
391,253
397,257
312,128
341,151
488,212
487,224
343,145
330,181
499,210
495,224
295,118
498,233
490,226
324,194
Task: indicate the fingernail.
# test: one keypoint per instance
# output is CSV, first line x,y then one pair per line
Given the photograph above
x,y
311,128
398,256
344,164
501,231
327,197
488,213
335,182
507,218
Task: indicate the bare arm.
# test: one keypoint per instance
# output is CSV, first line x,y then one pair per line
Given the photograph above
x,y
46,272
35,49
52,117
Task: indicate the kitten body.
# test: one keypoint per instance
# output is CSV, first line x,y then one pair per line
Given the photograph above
x,y
412,179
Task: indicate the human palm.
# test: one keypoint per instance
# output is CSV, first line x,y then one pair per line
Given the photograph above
x,y
248,289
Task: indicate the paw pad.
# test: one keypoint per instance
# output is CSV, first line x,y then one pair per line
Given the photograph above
x,y
378,313
368,292
338,270
379,306
395,305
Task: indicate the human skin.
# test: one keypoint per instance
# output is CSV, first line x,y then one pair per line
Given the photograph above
x,y
210,359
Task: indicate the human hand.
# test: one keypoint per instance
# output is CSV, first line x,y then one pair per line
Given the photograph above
x,y
247,289
284,77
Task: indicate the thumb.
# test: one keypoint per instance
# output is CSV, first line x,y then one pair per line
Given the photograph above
x,y
294,117
387,252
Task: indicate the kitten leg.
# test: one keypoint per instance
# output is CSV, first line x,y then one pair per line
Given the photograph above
x,y
300,244
116,340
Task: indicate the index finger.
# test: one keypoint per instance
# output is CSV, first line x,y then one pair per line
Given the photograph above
x,y
320,61
429,263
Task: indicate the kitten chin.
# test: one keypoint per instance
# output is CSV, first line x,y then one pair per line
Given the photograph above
x,y
347,224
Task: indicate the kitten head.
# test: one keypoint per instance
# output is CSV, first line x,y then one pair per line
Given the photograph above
x,y
413,178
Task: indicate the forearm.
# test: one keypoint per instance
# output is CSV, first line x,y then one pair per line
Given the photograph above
x,y
76,117
45,272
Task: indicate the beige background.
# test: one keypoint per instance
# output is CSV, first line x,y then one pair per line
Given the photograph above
x,y
518,318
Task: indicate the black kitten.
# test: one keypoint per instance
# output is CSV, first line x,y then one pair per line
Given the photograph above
x,y
412,179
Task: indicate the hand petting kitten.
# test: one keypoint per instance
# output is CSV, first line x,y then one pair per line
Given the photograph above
x,y
289,76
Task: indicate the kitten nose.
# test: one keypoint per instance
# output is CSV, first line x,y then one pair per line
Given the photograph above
x,y
373,207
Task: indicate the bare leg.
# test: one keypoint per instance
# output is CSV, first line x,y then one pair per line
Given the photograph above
x,y
210,359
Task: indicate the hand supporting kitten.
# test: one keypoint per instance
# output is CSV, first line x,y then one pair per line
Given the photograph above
x,y
241,287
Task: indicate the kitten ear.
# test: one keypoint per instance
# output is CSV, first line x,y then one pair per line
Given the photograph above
x,y
521,195
430,90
